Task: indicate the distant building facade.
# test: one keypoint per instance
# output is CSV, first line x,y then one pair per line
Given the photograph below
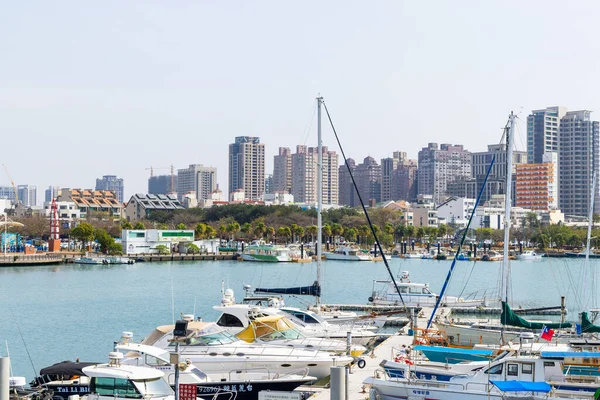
x,y
196,179
98,204
543,127
578,161
440,166
537,184
368,181
247,167
50,193
141,206
111,182
347,193
162,184
282,171
304,175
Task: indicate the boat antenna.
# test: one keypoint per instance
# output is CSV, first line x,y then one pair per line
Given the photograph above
x,y
23,339
8,355
172,302
366,213
462,240
319,196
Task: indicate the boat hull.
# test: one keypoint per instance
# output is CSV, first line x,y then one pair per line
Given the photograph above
x,y
264,258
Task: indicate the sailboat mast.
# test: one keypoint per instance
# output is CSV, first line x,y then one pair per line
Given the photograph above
x,y
319,194
507,206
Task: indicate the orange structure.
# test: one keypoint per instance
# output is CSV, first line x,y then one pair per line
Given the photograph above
x,y
536,186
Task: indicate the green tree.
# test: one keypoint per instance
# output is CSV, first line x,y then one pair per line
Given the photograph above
x,y
442,231
246,229
193,249
162,249
210,232
350,234
83,232
181,226
233,228
270,232
312,230
104,240
299,232
337,230
284,232
126,225
200,231
139,225
326,232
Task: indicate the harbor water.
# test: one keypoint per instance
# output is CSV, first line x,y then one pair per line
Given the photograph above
x,y
51,314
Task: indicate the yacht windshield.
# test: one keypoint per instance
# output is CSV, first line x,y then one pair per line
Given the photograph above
x,y
287,334
153,387
213,339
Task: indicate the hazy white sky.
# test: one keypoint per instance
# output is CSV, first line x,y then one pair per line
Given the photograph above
x,y
114,87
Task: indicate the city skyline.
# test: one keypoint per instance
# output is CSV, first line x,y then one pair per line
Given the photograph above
x,y
90,94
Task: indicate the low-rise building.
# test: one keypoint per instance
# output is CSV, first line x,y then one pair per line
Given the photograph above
x,y
101,204
146,241
456,210
68,212
140,206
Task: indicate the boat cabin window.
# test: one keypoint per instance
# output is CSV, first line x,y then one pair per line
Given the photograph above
x,y
210,340
527,369
548,363
495,370
512,370
151,360
115,387
230,321
303,317
415,290
403,290
426,291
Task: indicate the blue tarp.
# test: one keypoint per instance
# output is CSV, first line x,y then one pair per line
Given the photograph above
x,y
452,350
562,354
522,386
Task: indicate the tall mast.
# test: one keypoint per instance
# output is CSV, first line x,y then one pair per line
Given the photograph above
x,y
507,204
319,194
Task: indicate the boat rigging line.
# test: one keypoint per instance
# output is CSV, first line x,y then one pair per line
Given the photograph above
x,y
23,339
387,266
462,240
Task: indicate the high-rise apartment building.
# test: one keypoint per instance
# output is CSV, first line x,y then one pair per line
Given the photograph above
x,y
304,175
537,184
347,193
247,167
368,181
269,184
8,193
50,193
578,161
282,171
398,177
197,179
162,184
27,195
111,182
542,132
441,166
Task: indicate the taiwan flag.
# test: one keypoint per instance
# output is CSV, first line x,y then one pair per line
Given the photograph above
x,y
546,334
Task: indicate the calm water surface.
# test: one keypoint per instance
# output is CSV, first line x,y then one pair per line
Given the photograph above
x,y
50,314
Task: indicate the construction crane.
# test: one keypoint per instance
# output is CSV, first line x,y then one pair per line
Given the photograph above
x,y
13,184
172,168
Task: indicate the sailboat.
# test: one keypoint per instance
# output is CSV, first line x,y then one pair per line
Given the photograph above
x,y
466,334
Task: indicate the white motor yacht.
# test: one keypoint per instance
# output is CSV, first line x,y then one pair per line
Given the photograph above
x,y
347,253
213,349
529,255
415,295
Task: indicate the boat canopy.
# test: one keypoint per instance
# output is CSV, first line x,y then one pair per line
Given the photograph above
x,y
263,326
313,290
452,350
586,324
573,354
522,386
508,317
66,368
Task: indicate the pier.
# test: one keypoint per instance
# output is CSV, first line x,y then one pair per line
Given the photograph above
x,y
20,259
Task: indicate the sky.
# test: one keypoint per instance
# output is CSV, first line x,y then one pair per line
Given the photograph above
x,y
115,87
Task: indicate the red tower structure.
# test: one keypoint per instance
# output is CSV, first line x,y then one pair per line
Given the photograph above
x,y
54,242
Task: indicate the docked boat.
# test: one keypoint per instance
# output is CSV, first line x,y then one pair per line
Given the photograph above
x,y
89,260
242,384
529,255
507,376
347,253
213,350
64,379
415,295
492,255
266,253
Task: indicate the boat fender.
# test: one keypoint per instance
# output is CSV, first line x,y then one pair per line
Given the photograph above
x,y
370,299
361,363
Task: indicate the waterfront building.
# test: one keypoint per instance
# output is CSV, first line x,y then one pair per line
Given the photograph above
x,y
543,127
347,194
148,241
578,161
197,179
440,166
282,171
98,204
537,184
162,184
456,210
141,206
247,167
50,193
304,175
27,195
68,212
368,181
424,211
111,182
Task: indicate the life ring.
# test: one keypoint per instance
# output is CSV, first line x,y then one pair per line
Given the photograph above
x,y
370,299
361,363
399,358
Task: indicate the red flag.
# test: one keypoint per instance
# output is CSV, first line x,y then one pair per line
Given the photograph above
x,y
547,334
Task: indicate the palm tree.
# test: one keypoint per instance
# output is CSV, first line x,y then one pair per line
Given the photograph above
x,y
312,230
326,232
284,232
200,231
260,229
337,230
299,232
270,232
